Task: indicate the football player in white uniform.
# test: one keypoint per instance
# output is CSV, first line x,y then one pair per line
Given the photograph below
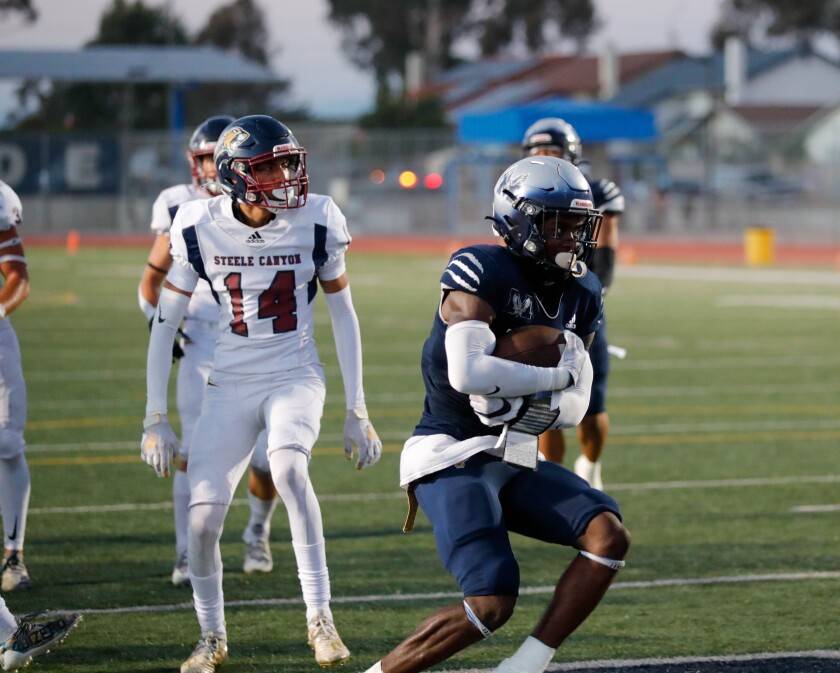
x,y
264,247
195,347
15,484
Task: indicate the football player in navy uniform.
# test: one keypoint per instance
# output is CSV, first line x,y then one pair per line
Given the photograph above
x,y
455,467
554,137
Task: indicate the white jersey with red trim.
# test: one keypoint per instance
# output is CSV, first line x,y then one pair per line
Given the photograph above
x,y
11,210
265,278
203,305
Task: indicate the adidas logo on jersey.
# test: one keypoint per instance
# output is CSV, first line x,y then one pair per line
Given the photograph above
x,y
573,322
255,239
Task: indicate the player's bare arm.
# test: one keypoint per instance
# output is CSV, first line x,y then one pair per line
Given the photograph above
x,y
158,264
13,267
460,306
335,285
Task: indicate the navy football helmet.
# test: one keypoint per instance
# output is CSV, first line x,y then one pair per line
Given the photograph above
x,y
203,143
242,155
552,133
543,209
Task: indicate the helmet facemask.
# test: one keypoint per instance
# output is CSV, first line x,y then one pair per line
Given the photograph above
x,y
200,178
276,180
561,239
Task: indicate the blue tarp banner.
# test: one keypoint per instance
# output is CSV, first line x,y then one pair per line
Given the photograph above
x,y
595,122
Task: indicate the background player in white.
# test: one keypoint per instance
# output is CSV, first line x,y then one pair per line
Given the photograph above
x,y
264,246
201,325
15,484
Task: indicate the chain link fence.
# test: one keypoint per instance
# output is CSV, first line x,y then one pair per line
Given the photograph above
x,y
106,184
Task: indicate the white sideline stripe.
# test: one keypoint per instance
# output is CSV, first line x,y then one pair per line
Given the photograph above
x,y
765,276
665,661
734,362
647,429
780,301
530,591
816,509
390,399
400,495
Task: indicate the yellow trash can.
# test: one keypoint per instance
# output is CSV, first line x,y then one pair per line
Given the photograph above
x,y
758,246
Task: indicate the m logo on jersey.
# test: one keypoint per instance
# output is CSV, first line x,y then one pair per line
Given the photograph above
x,y
520,306
233,138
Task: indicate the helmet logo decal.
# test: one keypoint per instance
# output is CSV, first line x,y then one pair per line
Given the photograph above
x,y
581,203
511,182
234,138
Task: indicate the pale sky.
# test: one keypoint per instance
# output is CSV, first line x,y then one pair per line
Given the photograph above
x,y
309,51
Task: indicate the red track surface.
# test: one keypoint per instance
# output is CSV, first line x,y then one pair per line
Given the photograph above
x,y
633,250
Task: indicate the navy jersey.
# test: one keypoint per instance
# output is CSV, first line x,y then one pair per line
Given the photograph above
x,y
508,284
607,197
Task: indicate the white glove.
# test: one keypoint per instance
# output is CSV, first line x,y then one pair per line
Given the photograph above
x,y
574,355
496,410
358,431
159,444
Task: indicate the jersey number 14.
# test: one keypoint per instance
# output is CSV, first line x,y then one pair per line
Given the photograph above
x,y
276,302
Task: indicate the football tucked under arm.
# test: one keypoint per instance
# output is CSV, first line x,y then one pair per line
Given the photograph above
x,y
541,347
474,370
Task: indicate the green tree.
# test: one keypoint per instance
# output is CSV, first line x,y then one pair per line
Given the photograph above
x,y
104,106
379,36
799,19
12,7
240,28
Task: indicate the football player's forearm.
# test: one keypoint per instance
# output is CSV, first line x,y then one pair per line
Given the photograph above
x,y
573,402
14,292
348,344
167,318
473,370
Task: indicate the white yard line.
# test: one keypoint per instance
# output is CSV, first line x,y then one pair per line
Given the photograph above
x,y
450,595
400,495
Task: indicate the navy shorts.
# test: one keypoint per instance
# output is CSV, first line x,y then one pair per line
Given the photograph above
x,y
600,370
473,508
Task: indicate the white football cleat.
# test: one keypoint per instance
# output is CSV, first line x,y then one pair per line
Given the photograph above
x,y
181,571
31,639
211,652
257,557
586,469
14,576
324,639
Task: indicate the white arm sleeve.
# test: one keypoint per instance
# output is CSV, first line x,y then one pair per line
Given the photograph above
x,y
348,345
474,371
574,400
167,319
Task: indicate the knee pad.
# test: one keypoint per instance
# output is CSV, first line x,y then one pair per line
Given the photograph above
x,y
11,443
